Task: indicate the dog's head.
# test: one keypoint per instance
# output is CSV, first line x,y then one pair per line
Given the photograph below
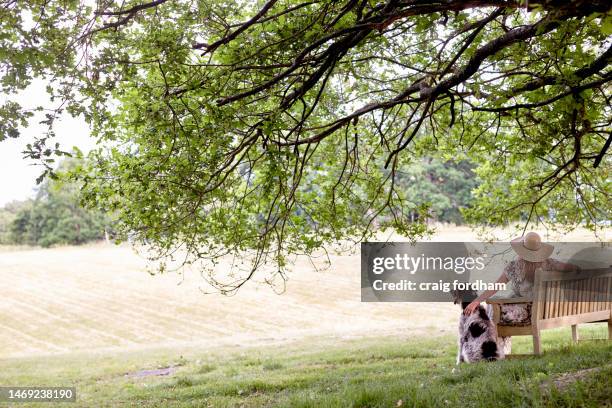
x,y
463,297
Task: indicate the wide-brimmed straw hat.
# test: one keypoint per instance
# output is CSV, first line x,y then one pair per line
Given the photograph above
x,y
531,248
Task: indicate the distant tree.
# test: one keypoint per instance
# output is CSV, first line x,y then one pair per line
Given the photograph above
x,y
7,216
443,187
21,230
56,217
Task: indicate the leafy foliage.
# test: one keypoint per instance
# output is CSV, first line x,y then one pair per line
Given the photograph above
x,y
279,126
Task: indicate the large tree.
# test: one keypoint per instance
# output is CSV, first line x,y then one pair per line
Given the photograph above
x,y
278,126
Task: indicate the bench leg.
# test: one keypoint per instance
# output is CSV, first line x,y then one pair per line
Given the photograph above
x,y
575,333
506,344
537,346
610,329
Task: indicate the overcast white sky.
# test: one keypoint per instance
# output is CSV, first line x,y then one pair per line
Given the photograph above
x,y
18,175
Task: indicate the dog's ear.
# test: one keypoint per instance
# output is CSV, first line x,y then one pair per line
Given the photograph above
x,y
483,313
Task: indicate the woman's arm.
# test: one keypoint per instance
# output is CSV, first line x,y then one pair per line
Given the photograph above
x,y
563,266
471,308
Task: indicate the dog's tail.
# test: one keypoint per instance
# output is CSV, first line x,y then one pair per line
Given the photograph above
x,y
489,350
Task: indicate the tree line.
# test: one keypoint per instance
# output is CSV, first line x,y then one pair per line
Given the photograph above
x,y
56,217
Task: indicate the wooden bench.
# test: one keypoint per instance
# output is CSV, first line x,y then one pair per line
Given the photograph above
x,y
561,299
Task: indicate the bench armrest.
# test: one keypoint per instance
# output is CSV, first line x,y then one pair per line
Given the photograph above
x,y
503,301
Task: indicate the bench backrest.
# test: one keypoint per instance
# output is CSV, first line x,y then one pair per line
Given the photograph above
x,y
562,296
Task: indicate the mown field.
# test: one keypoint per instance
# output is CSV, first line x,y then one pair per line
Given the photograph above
x,y
374,372
92,318
100,297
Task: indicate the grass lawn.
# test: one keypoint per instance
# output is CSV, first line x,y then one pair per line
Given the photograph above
x,y
384,372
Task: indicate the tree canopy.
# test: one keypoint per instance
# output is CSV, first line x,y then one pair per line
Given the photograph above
x,y
227,127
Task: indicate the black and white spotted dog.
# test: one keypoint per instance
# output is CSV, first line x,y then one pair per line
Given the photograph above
x,y
477,333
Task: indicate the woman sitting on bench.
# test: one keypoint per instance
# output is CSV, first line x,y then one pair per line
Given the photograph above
x,y
532,254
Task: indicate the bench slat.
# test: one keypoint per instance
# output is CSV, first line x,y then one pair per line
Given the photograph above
x,y
575,319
